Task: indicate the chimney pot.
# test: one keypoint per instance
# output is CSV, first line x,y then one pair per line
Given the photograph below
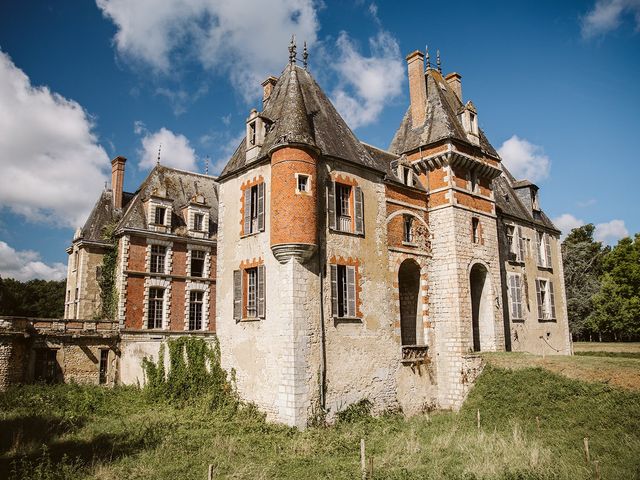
x,y
267,88
117,180
454,80
417,88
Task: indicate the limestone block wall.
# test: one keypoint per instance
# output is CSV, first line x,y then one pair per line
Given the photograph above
x,y
530,334
83,273
13,361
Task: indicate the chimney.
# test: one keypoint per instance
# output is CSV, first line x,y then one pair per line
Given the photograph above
x,y
117,180
417,88
267,88
454,80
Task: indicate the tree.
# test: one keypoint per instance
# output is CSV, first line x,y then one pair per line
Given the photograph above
x,y
582,258
617,304
35,298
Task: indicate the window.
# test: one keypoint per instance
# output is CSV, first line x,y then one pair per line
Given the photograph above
x,y
546,300
104,366
75,259
159,215
475,228
158,253
407,221
46,365
195,310
252,133
543,249
473,181
516,243
343,291
515,296
345,207
249,293
198,221
407,176
197,263
254,209
472,122
534,199
303,183
156,300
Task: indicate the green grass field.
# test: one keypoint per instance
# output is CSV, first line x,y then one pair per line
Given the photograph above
x,y
91,432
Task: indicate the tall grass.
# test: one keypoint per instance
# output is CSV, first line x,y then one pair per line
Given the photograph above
x,y
125,433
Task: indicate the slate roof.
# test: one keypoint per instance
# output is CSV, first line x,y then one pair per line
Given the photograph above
x,y
176,185
301,113
102,215
441,123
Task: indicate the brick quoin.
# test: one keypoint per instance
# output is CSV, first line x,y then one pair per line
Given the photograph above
x,y
294,216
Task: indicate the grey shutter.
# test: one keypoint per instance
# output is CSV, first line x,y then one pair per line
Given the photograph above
x,y
358,207
510,294
520,244
351,292
539,296
247,211
552,300
518,290
237,294
537,249
334,290
261,292
331,205
547,249
261,207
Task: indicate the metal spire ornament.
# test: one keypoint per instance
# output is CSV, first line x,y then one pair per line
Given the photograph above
x,y
292,50
438,61
159,148
206,165
428,58
305,55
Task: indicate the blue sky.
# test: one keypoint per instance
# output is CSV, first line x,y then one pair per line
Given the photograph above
x,y
555,84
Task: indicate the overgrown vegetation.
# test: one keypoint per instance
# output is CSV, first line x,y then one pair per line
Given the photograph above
x,y
34,298
107,280
602,285
134,434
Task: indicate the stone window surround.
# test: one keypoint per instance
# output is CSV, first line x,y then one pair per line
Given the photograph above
x,y
191,211
168,261
245,187
344,179
207,260
413,214
308,191
200,287
154,202
547,304
349,262
166,301
523,304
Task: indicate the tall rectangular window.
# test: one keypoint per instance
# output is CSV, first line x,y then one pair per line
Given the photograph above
x,y
475,230
195,310
156,300
515,296
159,215
249,293
343,291
407,222
546,300
104,366
345,208
198,222
197,263
252,292
254,209
158,254
46,368
343,196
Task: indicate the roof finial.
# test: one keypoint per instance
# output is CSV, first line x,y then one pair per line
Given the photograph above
x,y
159,148
428,58
305,55
292,50
438,61
206,165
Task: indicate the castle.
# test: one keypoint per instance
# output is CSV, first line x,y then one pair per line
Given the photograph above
x,y
328,269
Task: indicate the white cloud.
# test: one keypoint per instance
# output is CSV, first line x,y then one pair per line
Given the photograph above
x,y
587,203
175,150
246,38
606,15
52,166
567,222
524,159
610,232
26,265
367,84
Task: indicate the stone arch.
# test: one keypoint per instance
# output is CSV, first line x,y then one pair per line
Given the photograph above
x,y
482,311
407,212
410,301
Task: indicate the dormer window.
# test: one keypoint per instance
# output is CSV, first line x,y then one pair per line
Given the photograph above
x,y
255,134
473,181
252,133
198,222
472,122
534,199
160,213
405,174
469,120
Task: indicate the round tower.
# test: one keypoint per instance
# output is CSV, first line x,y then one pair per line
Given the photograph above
x,y
294,156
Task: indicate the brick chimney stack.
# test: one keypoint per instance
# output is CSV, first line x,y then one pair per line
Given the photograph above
x,y
117,180
267,88
454,80
417,88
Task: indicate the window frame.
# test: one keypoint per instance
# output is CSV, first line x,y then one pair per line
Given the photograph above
x,y
407,229
515,287
546,300
196,310
249,294
156,211
152,308
307,183
195,254
254,209
475,230
154,259
344,291
336,202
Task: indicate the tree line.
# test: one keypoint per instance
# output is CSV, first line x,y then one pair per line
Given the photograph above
x,y
602,286
34,298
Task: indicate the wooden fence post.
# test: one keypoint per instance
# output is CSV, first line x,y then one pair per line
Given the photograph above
x,y
596,464
363,461
586,449
478,418
210,476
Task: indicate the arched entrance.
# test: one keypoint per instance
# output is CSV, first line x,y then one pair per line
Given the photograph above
x,y
481,311
409,288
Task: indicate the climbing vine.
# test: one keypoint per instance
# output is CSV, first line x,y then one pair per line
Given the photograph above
x,y
107,282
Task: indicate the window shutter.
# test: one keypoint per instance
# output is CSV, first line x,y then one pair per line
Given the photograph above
x,y
539,296
261,293
547,249
358,206
518,291
537,249
511,294
261,207
552,300
247,211
237,294
334,290
331,206
520,245
351,291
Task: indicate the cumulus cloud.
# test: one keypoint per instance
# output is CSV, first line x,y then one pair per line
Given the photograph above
x,y
524,159
175,150
245,38
567,222
367,83
610,232
26,265
606,15
52,165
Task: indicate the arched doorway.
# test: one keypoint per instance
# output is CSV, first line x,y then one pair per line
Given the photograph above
x,y
481,312
409,288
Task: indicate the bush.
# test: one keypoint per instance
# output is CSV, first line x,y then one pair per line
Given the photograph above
x,y
356,412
